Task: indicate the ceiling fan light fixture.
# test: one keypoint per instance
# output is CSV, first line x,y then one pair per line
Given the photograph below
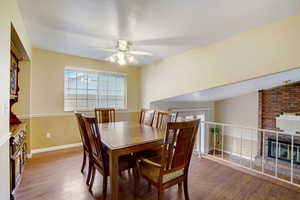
x,y
111,59
122,62
123,45
131,59
122,58
123,55
120,55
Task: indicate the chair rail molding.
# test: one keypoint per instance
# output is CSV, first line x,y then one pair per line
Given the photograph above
x,y
67,114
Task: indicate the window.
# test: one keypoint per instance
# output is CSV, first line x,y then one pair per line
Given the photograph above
x,y
88,89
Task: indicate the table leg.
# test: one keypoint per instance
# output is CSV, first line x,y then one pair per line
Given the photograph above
x,y
114,175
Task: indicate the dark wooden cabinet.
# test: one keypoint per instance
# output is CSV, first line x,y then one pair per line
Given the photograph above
x,y
18,149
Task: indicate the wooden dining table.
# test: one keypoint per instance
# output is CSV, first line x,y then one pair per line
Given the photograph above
x,y
123,138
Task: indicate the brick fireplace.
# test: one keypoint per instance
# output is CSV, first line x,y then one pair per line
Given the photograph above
x,y
273,103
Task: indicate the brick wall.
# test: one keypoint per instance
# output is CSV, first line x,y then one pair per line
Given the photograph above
x,y
276,101
272,103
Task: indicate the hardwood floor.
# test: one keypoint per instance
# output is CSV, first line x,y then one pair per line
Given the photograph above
x,y
56,176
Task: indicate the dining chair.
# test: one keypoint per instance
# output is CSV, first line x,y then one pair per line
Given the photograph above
x,y
100,158
147,117
161,119
85,144
174,116
105,115
172,165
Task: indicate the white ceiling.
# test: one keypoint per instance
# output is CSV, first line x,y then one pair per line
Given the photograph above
x,y
240,88
163,27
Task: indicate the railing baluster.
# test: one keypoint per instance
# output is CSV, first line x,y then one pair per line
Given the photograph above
x,y
263,153
251,140
276,157
292,160
241,152
207,132
214,141
222,141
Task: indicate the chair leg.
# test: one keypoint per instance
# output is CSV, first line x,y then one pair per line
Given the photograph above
x,y
160,194
104,186
136,181
180,185
89,173
186,192
83,161
93,178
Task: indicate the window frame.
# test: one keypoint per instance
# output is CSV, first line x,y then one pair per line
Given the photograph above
x,y
94,71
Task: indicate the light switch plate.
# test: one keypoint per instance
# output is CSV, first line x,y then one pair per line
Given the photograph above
x,y
5,109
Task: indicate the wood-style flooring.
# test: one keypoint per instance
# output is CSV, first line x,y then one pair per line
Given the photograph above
x,y
56,176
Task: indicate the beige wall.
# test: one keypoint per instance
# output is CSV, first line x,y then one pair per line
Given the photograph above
x,y
4,172
9,13
242,111
47,84
269,49
63,129
47,97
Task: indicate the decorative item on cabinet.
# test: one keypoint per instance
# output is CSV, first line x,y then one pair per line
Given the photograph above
x,y
18,149
14,85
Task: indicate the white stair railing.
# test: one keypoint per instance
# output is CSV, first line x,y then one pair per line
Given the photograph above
x,y
247,148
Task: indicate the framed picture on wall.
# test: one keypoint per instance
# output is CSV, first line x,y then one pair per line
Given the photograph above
x,y
13,80
14,77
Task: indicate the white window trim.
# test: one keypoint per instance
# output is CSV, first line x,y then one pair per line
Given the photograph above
x,y
88,70
82,69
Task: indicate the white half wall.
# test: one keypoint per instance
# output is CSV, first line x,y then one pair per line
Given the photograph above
x,y
266,50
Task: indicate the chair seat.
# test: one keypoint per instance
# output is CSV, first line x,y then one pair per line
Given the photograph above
x,y
152,172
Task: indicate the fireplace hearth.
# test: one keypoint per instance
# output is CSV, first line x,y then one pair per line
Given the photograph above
x,y
284,151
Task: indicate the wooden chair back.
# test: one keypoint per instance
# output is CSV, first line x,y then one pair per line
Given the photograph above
x,y
178,145
162,119
94,138
82,131
105,115
174,116
147,117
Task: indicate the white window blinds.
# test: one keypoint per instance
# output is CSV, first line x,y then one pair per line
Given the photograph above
x,y
88,89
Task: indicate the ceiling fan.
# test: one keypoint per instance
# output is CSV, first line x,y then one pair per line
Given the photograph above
x,y
122,53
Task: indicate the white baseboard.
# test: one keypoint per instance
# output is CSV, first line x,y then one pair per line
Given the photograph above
x,y
54,148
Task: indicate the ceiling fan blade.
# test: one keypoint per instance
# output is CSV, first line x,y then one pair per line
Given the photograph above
x,y
142,53
171,41
103,49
